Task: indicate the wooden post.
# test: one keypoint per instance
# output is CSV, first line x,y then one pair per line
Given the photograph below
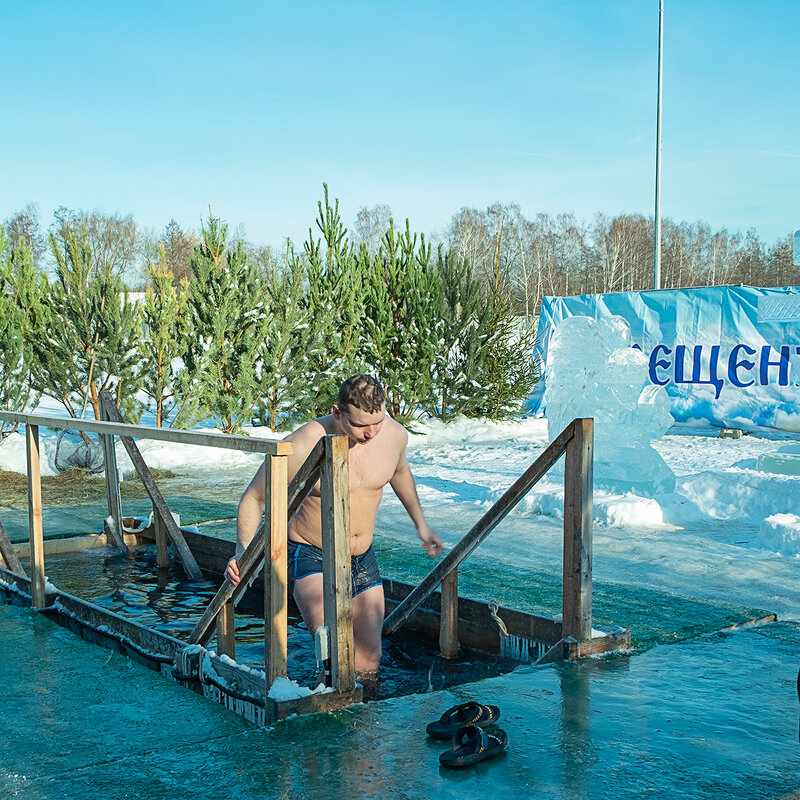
x,y
577,589
35,516
275,567
336,568
162,555
226,637
448,628
112,477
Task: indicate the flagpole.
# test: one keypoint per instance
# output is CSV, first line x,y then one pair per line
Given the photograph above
x,y
657,237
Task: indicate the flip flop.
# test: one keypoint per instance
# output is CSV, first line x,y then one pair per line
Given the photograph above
x,y
458,716
472,744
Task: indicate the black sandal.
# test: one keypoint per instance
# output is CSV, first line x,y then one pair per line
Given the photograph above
x,y
458,716
472,744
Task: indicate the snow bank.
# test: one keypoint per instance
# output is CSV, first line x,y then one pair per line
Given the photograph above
x,y
614,510
14,459
740,494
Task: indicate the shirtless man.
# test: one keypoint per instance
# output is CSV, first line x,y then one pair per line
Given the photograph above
x,y
377,457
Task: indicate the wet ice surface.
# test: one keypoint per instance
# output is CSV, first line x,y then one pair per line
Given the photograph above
x,y
713,717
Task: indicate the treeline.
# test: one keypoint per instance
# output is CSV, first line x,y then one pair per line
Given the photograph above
x,y
558,255
230,334
546,255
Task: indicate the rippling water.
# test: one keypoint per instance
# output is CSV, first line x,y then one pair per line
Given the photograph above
x,y
164,600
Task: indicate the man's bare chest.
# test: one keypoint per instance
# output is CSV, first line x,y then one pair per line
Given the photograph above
x,y
369,469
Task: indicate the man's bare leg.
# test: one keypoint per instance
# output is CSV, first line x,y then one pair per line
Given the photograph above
x,y
368,613
309,599
308,596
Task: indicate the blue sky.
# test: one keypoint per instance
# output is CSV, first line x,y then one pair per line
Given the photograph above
x,y
161,108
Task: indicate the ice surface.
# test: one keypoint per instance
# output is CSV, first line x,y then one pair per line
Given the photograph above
x,y
285,689
780,463
781,534
593,371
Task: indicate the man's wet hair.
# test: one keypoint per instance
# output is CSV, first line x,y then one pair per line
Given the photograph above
x,y
363,392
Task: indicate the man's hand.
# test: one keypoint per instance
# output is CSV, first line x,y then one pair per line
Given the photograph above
x,y
431,543
232,572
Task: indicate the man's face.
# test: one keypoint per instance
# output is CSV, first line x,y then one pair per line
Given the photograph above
x,y
359,426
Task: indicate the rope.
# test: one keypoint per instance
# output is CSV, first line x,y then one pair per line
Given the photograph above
x,y
494,607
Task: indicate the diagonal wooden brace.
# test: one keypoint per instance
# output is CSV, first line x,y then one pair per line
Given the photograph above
x,y
9,555
479,531
251,561
159,504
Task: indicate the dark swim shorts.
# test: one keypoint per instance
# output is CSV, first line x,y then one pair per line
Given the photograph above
x,y
305,559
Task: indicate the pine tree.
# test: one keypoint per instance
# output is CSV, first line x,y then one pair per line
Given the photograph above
x,y
510,371
228,314
164,337
402,305
291,345
456,365
335,309
20,289
483,366
85,335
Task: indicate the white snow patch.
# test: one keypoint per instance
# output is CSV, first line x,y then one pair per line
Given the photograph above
x,y
285,689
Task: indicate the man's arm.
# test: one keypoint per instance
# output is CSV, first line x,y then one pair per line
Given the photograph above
x,y
248,518
404,487
251,506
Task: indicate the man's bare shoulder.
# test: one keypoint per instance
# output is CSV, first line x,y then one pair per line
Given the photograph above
x,y
306,436
398,435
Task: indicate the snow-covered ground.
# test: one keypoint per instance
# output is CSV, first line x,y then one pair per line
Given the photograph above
x,y
729,532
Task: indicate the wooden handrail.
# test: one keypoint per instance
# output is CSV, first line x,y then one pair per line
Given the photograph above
x,y
35,532
253,557
336,564
247,444
482,528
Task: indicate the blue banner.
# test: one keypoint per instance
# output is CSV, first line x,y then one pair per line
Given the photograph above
x,y
728,355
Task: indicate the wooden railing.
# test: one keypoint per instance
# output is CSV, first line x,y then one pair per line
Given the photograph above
x,y
328,463
575,443
275,453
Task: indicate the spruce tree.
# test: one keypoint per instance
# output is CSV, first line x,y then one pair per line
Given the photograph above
x,y
456,366
402,310
20,290
85,334
164,337
228,316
